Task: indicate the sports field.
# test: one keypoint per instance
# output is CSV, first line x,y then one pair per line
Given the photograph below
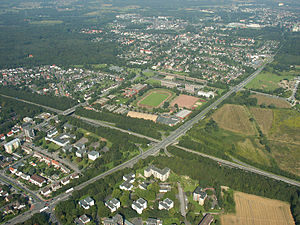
x,y
154,98
255,210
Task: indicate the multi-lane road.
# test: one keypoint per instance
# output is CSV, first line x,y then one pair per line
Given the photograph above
x,y
171,139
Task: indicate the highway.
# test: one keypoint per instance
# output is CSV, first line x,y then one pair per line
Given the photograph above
x,y
171,139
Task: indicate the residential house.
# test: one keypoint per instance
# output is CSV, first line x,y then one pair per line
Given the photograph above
x,y
79,146
46,191
163,174
65,181
126,186
37,180
129,177
139,205
55,186
199,195
113,204
143,185
93,155
80,153
164,188
153,221
116,220
2,137
84,219
166,204
86,203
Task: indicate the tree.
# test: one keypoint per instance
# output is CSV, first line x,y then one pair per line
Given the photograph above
x,y
103,211
116,193
166,105
124,199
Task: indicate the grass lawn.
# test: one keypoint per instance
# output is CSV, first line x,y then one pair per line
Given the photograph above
x,y
153,82
51,145
154,99
268,81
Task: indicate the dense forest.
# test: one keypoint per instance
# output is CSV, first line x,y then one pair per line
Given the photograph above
x,y
38,219
61,103
13,111
145,127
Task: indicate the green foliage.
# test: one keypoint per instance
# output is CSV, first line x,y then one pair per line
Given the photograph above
x,y
13,111
61,103
234,178
38,218
141,126
228,202
241,98
295,207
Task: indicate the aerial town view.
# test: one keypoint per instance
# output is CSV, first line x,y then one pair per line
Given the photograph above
x,y
147,112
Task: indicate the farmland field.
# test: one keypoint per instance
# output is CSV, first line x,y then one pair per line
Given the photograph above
x,y
234,118
255,210
277,102
154,98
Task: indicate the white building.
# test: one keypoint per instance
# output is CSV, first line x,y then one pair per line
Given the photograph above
x,y
129,177
139,205
199,195
86,203
10,146
93,155
206,94
126,186
163,175
166,204
113,204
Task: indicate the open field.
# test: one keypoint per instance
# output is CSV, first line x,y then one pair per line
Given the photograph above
x,y
255,210
234,118
263,99
286,155
263,117
285,126
47,22
267,81
251,150
185,101
154,98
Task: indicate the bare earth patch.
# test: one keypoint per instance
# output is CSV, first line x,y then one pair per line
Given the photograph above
x,y
185,101
234,118
255,210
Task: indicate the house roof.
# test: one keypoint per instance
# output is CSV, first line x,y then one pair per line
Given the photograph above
x,y
93,153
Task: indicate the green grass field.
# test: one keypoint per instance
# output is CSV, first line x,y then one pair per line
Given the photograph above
x,y
268,81
154,99
153,82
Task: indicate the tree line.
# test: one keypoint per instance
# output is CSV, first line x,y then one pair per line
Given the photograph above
x,y
145,127
56,102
